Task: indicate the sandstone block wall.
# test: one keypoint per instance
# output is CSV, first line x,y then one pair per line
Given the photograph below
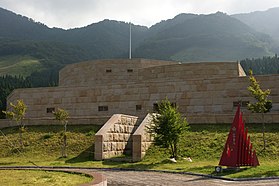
x,y
115,137
142,139
97,72
204,92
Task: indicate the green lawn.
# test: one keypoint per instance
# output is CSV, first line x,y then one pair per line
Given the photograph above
x,y
42,178
204,144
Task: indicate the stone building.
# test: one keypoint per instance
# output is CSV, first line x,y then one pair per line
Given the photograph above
x,y
93,91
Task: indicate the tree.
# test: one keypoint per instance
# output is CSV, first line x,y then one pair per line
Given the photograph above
x,y
17,113
262,105
62,116
168,126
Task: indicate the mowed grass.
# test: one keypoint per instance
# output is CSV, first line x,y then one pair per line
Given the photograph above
x,y
19,65
203,143
42,178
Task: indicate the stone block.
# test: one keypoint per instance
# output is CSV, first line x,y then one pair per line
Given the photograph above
x,y
123,121
110,136
126,137
121,137
113,146
116,128
121,129
115,137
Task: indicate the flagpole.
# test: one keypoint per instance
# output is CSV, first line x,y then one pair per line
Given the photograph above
x,y
130,51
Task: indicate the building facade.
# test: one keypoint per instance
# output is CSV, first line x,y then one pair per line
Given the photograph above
x,y
204,92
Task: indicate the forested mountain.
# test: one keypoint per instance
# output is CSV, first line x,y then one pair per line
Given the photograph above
x,y
186,37
20,35
262,21
34,53
214,37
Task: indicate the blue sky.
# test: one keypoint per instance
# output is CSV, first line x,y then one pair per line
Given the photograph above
x,y
78,13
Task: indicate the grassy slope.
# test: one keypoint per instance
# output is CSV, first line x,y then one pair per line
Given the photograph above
x,y
204,144
19,65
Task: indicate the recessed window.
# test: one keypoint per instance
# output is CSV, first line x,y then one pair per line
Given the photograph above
x,y
173,105
103,108
130,70
108,70
50,110
155,107
138,107
241,103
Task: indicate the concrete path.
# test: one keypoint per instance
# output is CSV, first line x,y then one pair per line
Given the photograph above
x,y
149,178
140,178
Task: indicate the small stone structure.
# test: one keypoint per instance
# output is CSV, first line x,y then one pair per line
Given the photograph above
x,y
122,134
142,139
114,138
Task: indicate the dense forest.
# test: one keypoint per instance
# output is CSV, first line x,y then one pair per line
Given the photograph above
x,y
261,66
7,85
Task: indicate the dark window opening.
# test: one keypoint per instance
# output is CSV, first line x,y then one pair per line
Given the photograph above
x,y
241,103
155,107
130,70
103,108
50,110
108,70
138,107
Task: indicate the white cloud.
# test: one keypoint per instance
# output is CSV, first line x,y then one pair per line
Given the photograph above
x,y
77,13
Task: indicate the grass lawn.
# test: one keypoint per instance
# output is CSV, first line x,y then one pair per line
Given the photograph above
x,y
42,178
203,143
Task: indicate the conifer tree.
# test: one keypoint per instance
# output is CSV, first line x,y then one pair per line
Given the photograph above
x,y
168,126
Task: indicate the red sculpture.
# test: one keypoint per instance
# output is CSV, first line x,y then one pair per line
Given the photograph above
x,y
238,148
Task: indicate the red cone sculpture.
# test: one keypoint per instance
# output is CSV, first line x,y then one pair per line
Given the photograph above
x,y
238,148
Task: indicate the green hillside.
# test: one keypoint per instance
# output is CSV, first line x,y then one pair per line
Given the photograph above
x,y
15,65
262,21
186,37
214,37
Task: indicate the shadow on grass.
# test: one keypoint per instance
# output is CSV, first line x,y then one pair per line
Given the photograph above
x,y
227,171
268,173
86,155
136,165
249,172
201,169
7,163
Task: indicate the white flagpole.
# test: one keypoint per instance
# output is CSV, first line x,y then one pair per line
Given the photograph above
x,y
130,52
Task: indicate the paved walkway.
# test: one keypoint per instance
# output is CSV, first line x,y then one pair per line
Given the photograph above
x,y
148,178
140,178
